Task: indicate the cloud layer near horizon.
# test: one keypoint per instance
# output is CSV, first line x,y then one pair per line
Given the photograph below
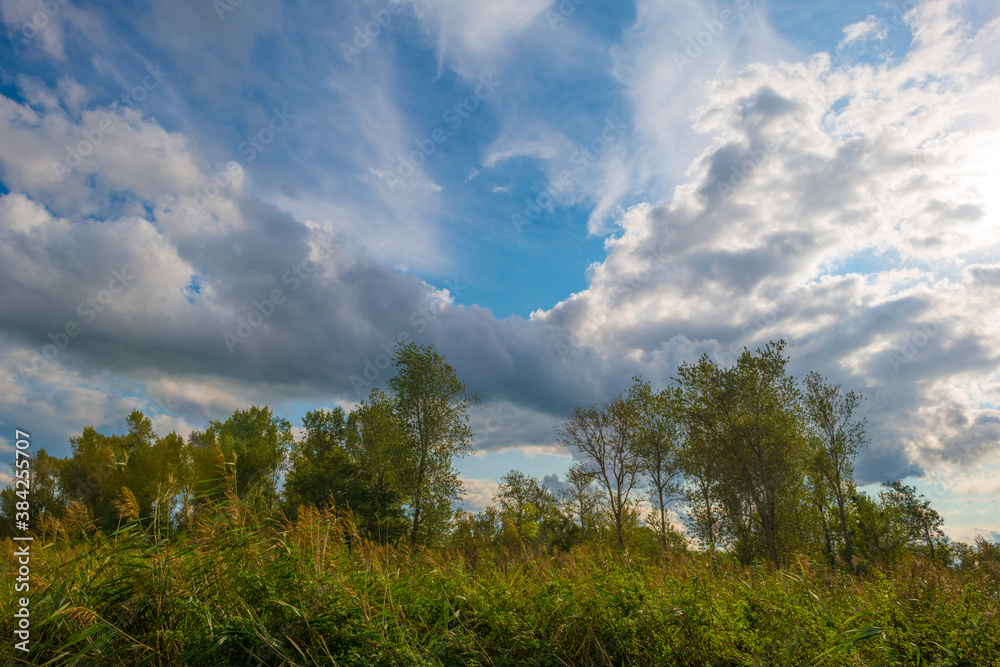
x,y
847,205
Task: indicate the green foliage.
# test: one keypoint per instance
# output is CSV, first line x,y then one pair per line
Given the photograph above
x,y
255,443
372,565
42,494
920,522
429,409
745,426
302,593
608,437
528,511
880,535
659,440
324,470
839,436
580,500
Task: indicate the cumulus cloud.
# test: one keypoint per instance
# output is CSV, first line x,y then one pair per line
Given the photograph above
x,y
478,493
222,292
846,207
836,213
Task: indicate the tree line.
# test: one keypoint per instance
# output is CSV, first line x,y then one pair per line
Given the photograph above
x,y
751,461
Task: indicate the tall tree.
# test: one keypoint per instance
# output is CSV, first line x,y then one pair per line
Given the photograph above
x,y
257,443
606,435
430,407
580,499
323,470
746,418
317,462
91,475
702,480
375,439
658,439
831,413
147,470
921,522
881,536
42,493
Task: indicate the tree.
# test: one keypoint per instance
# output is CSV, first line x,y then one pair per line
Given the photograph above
x,y
430,409
819,491
42,493
658,440
140,470
323,470
319,461
920,521
153,468
744,426
701,487
375,439
580,499
880,535
525,505
606,435
172,472
840,436
256,443
91,476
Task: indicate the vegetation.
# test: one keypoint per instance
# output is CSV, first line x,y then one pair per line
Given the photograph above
x,y
242,545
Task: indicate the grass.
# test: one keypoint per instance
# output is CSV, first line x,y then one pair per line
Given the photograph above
x,y
312,592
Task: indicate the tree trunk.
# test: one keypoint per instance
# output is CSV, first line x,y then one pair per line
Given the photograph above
x,y
416,501
663,522
848,546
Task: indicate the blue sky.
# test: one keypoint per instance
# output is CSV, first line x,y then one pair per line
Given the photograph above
x,y
558,195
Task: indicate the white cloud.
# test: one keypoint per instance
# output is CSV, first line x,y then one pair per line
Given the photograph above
x,y
870,27
479,492
666,62
469,30
841,228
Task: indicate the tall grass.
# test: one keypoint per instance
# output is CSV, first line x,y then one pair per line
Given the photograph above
x,y
232,591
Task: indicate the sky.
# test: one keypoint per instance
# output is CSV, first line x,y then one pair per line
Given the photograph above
x,y
207,205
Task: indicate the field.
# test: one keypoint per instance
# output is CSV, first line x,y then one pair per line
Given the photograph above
x,y
231,592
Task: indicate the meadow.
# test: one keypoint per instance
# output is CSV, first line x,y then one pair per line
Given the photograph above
x,y
235,590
